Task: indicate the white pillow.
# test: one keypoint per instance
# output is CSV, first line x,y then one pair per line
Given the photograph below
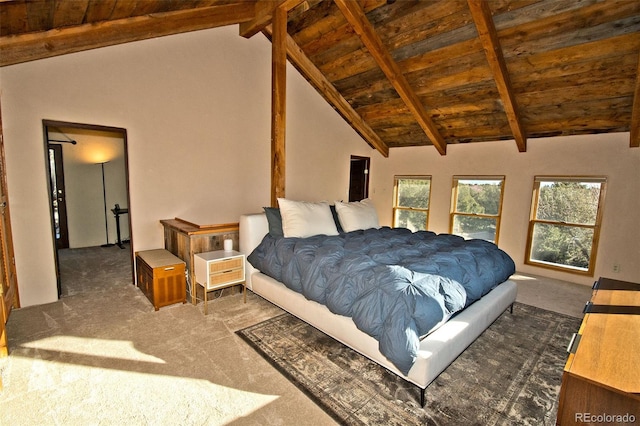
x,y
304,219
357,215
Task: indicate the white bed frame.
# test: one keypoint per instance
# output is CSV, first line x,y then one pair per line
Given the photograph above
x,y
437,350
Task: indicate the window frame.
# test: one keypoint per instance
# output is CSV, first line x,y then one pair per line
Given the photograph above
x,y
454,201
602,180
397,208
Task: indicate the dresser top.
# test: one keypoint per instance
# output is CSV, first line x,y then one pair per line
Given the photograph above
x,y
190,228
218,254
609,349
158,257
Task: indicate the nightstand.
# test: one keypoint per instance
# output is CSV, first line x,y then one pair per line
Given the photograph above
x,y
215,270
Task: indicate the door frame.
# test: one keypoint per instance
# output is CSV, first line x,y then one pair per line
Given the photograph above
x,y
46,125
62,206
367,167
9,291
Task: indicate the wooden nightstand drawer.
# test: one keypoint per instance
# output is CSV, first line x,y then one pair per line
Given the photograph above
x,y
234,275
225,265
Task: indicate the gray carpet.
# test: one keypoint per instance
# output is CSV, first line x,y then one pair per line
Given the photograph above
x,y
510,375
102,355
94,269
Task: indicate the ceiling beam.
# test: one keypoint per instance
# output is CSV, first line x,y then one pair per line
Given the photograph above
x,y
29,47
278,105
263,14
356,18
328,91
481,13
635,112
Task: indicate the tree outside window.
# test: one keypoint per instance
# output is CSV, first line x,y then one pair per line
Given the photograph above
x,y
565,220
411,202
476,207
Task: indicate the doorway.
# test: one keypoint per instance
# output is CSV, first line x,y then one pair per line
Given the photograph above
x,y
88,183
359,178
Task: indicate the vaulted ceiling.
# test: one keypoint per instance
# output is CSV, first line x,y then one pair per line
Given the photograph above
x,y
405,72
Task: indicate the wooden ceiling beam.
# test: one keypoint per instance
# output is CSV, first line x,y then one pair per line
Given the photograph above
x,y
635,113
481,13
355,16
328,91
29,47
278,105
264,10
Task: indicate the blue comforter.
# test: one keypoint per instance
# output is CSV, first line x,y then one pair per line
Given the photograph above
x,y
396,285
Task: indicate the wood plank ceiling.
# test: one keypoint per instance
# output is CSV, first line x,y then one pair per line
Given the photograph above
x,y
402,73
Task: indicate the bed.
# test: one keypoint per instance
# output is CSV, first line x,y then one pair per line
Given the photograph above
x,y
435,350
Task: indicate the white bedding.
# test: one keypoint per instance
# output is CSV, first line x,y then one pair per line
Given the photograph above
x,y
437,350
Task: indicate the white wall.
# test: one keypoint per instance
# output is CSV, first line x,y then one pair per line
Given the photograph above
x,y
196,108
603,155
319,146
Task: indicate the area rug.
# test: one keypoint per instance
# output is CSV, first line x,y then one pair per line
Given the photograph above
x,y
510,375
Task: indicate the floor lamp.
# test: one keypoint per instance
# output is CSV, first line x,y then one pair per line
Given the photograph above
x,y
104,199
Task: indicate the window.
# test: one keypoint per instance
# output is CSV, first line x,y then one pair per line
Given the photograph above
x,y
565,222
476,207
411,202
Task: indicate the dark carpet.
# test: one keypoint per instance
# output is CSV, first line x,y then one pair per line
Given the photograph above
x,y
510,375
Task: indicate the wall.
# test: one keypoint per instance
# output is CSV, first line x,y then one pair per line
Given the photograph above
x,y
196,108
319,170
606,154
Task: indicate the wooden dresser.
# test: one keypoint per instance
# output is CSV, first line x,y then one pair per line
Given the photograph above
x,y
601,379
186,239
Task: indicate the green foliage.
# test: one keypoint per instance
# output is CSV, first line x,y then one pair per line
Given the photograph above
x,y
562,245
477,197
569,203
413,193
480,198
411,219
566,203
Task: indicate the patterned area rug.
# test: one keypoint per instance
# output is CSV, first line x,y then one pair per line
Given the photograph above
x,y
510,375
